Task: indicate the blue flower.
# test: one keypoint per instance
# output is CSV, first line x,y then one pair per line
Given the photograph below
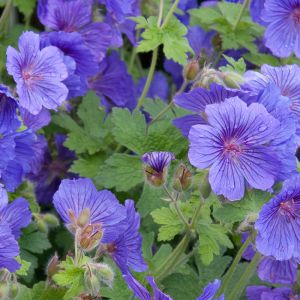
x,y
86,210
76,16
113,84
126,250
234,144
283,24
38,74
266,293
278,223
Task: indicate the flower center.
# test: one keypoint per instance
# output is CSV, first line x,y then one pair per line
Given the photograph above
x,y
232,148
26,75
296,16
288,208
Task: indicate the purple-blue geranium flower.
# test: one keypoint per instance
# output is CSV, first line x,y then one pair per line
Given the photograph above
x,y
159,160
283,26
196,101
76,16
9,249
80,61
80,206
16,214
113,84
286,78
185,6
278,223
266,293
234,144
141,292
126,250
159,87
210,291
48,169
278,272
38,74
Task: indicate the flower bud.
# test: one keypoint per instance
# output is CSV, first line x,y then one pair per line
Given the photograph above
x,y
42,226
105,273
4,290
53,266
51,220
182,179
204,186
13,290
191,70
232,79
92,283
209,76
248,223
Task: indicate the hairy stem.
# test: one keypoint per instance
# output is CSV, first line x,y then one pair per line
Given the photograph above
x,y
170,13
241,284
173,259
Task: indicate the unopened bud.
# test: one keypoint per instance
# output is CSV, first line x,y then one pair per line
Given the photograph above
x,y
13,290
51,220
232,79
84,217
204,186
191,70
92,283
53,266
182,179
105,273
209,76
42,226
248,223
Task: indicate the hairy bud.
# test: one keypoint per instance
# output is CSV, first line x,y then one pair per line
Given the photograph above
x,y
191,70
232,79
209,76
53,266
182,179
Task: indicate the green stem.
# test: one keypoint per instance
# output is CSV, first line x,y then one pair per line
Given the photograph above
x,y
231,270
161,10
177,208
170,105
170,13
149,78
241,284
197,213
245,5
133,53
172,260
5,15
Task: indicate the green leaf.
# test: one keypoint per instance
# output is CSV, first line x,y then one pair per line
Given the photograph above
x,y
237,211
120,171
41,290
92,134
211,237
171,224
131,131
25,7
150,199
175,43
171,36
25,265
238,66
182,286
88,166
259,59
204,16
34,241
230,11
